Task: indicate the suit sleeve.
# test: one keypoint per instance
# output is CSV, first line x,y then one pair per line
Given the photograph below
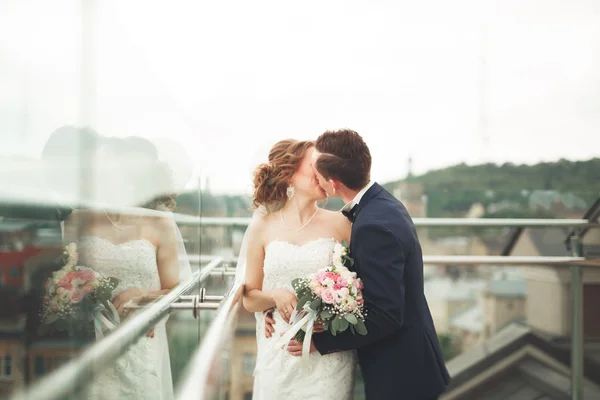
x,y
381,261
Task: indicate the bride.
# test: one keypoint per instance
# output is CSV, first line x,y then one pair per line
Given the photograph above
x,y
142,252
292,238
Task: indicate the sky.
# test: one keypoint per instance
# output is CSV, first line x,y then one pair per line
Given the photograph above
x,y
441,82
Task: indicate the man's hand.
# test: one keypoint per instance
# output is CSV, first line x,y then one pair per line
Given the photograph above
x,y
269,322
295,347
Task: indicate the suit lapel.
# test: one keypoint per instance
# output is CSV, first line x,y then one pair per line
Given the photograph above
x,y
368,196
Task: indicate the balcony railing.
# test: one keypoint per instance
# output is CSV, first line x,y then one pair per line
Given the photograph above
x,y
202,377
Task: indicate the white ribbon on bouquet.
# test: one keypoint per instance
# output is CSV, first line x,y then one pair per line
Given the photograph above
x,y
307,317
299,319
101,322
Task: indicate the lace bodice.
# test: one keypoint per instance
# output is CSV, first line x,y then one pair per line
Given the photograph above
x,y
281,375
133,262
137,374
285,261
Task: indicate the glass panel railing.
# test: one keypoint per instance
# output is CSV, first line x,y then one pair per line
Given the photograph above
x,y
474,296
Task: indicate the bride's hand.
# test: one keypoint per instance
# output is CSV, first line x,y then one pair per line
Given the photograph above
x,y
285,302
132,294
318,327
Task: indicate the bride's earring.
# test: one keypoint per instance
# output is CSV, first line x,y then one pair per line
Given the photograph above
x,y
290,192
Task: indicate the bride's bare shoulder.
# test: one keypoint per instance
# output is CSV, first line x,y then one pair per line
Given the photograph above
x,y
261,221
340,223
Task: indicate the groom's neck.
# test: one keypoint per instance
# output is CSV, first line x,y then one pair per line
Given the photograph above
x,y
348,195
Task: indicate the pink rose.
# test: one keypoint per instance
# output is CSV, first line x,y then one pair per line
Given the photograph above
x,y
336,287
64,282
331,276
318,290
328,296
342,282
87,275
320,276
76,297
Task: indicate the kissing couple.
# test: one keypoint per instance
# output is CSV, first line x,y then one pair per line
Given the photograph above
x,y
290,236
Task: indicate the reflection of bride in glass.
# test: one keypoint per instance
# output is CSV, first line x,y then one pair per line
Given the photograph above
x,y
139,250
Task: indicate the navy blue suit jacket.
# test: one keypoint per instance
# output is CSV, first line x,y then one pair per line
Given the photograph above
x,y
400,357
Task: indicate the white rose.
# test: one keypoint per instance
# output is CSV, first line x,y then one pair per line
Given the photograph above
x,y
347,275
328,282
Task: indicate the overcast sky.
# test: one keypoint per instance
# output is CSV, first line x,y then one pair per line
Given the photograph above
x,y
227,79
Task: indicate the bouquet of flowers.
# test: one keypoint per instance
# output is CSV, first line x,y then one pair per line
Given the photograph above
x,y
76,295
331,296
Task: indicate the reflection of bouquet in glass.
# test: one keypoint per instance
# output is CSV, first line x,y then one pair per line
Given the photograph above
x,y
76,295
332,296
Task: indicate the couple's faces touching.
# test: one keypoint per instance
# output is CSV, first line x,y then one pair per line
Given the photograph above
x,y
308,180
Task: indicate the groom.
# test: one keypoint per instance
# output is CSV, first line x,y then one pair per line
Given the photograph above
x,y
400,357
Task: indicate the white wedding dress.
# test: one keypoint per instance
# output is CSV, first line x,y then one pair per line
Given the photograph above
x,y
143,371
280,375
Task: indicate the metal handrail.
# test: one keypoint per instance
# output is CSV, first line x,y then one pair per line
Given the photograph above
x,y
419,222
72,377
199,374
449,259
184,219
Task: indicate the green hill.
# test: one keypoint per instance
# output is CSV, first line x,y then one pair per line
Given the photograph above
x,y
452,190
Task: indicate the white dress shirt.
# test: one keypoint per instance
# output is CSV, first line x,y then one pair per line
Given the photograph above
x,y
358,197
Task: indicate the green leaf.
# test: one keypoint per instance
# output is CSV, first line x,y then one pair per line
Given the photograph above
x,y
352,329
325,314
345,244
303,301
343,324
52,318
361,328
326,325
315,304
351,318
335,326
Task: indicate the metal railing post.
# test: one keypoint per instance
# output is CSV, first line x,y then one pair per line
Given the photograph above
x,y
577,323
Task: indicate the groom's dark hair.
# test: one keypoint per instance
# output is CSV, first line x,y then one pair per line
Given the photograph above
x,y
344,157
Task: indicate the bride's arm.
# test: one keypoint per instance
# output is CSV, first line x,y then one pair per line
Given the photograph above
x,y
167,254
168,267
255,299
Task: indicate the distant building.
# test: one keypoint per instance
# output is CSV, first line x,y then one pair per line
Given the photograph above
x,y
531,360
500,302
447,297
